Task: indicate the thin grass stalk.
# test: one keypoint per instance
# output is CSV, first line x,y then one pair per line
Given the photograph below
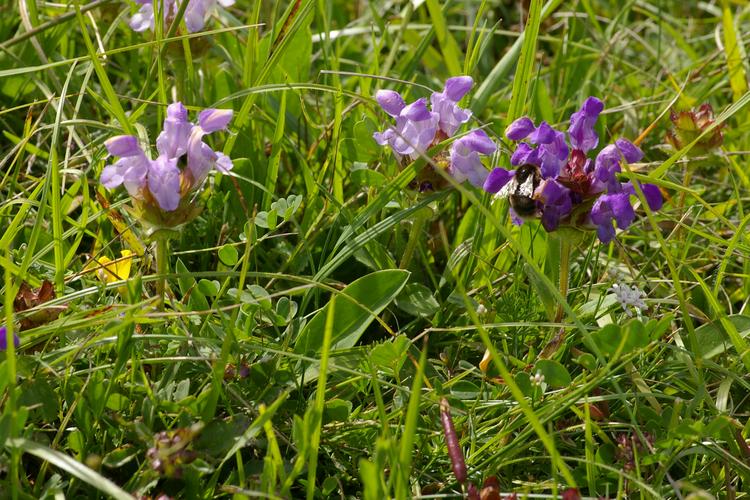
x,y
320,399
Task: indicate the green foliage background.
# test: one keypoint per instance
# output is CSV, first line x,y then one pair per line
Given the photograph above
x,y
318,309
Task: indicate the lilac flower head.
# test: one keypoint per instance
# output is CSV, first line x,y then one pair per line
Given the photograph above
x,y
570,180
196,13
161,180
464,157
445,104
581,131
4,339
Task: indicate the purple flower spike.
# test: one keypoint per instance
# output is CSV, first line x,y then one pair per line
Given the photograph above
x,y
391,102
520,129
581,131
445,104
465,162
497,179
612,207
457,87
164,182
4,339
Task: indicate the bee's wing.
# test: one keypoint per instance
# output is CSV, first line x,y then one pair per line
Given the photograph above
x,y
527,188
510,188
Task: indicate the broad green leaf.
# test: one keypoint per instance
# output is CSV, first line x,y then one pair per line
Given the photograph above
x,y
714,341
417,300
360,303
228,255
555,374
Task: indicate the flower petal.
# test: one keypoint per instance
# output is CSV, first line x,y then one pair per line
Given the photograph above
x,y
212,120
497,179
391,101
520,129
164,182
581,130
123,145
457,87
630,151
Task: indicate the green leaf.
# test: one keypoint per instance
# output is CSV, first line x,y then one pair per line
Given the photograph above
x,y
714,341
390,355
360,303
417,300
555,374
228,255
608,339
337,410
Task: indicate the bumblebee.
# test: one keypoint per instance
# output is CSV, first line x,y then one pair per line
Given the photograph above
x,y
520,191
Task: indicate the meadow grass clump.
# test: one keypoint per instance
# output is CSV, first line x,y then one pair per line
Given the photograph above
x,y
401,250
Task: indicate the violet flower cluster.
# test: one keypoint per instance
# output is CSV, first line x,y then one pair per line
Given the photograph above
x,y
161,183
196,13
576,190
418,127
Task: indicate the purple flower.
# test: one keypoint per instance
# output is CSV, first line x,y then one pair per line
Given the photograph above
x,y
132,167
464,159
581,131
162,178
196,13
556,203
552,150
414,131
607,163
520,129
569,178
200,157
445,104
164,182
172,140
497,179
391,102
608,208
4,339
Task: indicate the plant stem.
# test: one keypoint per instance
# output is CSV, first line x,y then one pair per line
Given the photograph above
x,y
564,275
414,237
162,268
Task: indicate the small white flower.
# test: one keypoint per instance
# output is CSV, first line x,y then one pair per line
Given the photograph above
x,y
629,296
537,379
481,310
